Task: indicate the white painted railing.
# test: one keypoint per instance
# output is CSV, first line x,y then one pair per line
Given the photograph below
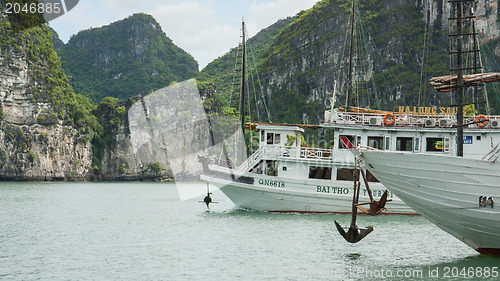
x,y
249,162
355,118
315,153
268,152
272,152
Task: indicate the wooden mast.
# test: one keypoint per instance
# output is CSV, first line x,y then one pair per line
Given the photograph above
x,y
349,74
242,89
460,82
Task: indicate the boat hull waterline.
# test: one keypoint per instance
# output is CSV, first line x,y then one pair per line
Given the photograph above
x,y
279,194
456,194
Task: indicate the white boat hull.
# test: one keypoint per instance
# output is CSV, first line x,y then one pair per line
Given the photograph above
x,y
447,191
277,194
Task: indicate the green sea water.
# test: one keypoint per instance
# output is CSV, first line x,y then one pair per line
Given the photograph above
x,y
143,231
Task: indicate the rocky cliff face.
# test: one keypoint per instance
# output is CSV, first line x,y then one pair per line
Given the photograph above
x,y
438,11
116,154
160,137
309,55
48,132
36,142
121,162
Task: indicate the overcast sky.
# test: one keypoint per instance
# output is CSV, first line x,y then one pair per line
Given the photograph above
x,y
206,29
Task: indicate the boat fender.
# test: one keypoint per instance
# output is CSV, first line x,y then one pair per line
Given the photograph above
x,y
481,120
389,119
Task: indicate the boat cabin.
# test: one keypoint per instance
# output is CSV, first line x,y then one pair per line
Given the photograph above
x,y
279,135
416,133
283,152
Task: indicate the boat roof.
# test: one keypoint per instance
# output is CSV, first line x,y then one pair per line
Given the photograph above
x,y
278,127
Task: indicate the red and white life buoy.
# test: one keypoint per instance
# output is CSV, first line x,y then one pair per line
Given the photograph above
x,y
481,120
389,119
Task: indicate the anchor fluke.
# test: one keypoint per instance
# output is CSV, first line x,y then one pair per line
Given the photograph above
x,y
382,201
354,234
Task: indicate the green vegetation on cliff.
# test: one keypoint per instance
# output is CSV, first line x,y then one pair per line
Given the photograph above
x,y
221,76
312,52
50,83
110,113
396,52
126,58
220,71
21,21
48,89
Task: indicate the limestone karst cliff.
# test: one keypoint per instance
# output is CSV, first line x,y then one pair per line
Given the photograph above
x,y
45,129
47,132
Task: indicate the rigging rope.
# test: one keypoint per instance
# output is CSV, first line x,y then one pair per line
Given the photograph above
x,y
341,73
231,93
485,93
363,45
254,60
358,60
423,61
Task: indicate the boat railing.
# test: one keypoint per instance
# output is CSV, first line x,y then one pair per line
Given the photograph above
x,y
315,153
249,162
404,119
290,152
268,151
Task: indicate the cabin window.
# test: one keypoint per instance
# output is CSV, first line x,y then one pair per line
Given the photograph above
x,y
404,144
344,174
270,138
376,142
262,136
284,168
387,143
417,145
277,138
323,173
273,138
370,177
446,145
478,137
341,143
434,144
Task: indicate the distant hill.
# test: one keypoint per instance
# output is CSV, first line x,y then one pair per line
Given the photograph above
x,y
126,58
56,41
220,73
300,63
